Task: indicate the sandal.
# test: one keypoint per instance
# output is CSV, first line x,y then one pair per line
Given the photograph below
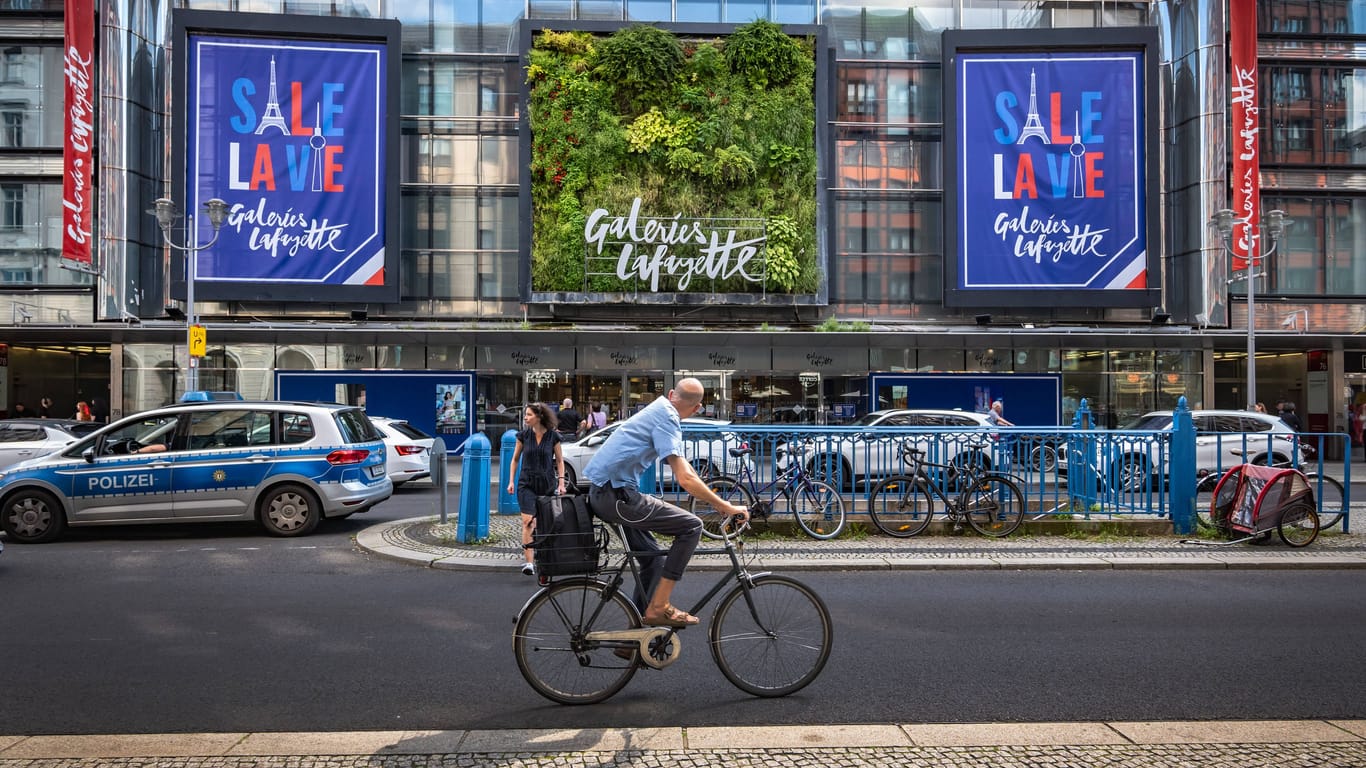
x,y
672,618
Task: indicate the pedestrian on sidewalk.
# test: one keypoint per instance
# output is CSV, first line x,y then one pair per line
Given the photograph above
x,y
1289,417
568,421
542,463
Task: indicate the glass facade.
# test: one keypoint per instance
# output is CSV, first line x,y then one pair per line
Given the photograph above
x,y
460,171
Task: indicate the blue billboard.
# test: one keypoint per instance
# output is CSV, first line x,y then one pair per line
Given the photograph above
x,y
1052,151
440,403
296,132
1030,399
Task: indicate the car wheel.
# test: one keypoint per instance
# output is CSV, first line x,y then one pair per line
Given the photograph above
x,y
289,510
1131,473
571,480
32,516
830,468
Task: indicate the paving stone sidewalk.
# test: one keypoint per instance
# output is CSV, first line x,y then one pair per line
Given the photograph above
x,y
428,542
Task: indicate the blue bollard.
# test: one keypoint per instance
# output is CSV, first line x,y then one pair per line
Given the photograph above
x,y
1182,479
507,502
474,491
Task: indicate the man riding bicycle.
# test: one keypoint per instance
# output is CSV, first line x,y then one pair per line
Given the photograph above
x,y
614,495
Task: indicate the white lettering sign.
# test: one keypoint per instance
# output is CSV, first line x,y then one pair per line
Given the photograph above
x,y
649,248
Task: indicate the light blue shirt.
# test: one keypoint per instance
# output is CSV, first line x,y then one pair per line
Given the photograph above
x,y
635,446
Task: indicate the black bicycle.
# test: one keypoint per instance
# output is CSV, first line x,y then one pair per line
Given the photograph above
x,y
580,639
816,505
903,505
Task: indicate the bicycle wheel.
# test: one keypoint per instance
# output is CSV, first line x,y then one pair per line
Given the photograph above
x,y
1204,500
551,649
819,508
900,507
1331,499
773,638
993,505
730,490
1299,525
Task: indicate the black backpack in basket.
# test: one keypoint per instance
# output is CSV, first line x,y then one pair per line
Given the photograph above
x,y
564,540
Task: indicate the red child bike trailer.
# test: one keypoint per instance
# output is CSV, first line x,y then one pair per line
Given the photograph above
x,y
1252,500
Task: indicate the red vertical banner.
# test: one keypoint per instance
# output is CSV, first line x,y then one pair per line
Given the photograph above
x,y
78,166
1245,90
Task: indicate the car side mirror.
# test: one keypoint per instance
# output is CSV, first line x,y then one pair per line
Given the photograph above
x,y
596,440
89,455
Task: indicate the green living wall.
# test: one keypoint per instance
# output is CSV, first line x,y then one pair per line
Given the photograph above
x,y
713,137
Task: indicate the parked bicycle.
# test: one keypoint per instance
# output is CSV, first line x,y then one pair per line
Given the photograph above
x,y
903,505
1329,497
817,505
580,639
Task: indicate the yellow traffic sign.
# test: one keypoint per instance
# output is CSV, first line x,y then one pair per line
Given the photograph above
x,y
199,341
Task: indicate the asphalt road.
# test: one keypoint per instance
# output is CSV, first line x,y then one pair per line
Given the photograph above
x,y
219,628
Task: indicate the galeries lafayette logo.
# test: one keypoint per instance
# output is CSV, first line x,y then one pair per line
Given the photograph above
x,y
652,248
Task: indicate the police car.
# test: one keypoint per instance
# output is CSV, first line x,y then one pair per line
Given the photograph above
x,y
285,465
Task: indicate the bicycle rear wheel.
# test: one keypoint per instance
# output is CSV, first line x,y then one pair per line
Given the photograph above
x,y
993,505
1204,500
730,490
772,639
1330,498
819,508
900,507
552,652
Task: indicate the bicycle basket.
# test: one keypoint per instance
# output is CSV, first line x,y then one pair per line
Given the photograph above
x,y
571,553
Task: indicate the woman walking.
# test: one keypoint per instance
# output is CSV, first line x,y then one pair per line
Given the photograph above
x,y
538,454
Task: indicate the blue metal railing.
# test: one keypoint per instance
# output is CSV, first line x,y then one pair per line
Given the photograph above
x,y
1060,470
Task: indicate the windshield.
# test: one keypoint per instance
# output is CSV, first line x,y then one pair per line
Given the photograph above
x,y
1152,421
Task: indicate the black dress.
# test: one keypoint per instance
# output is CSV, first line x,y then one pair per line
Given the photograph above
x,y
536,469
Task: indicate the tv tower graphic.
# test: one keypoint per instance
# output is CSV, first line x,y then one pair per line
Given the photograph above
x,y
273,119
1033,126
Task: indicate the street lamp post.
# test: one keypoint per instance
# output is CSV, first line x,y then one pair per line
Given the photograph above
x,y
165,211
1272,230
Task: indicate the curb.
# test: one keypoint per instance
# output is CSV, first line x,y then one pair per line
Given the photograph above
x,y
684,739
375,541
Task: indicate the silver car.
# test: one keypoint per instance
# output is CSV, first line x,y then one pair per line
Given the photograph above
x,y
706,451
23,439
284,465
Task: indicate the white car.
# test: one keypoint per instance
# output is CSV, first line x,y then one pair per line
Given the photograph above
x,y
956,438
708,452
1223,439
409,450
23,439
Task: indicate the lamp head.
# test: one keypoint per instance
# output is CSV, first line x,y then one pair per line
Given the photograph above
x,y
1275,224
1223,221
217,210
165,212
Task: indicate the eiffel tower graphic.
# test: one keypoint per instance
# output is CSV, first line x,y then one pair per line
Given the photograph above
x,y
1033,126
273,119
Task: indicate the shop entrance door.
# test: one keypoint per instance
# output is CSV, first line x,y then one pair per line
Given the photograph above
x,y
716,401
642,389
602,392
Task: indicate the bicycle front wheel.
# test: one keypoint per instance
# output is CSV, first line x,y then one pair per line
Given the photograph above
x,y
730,490
993,505
1204,501
1330,497
900,507
552,648
819,508
772,638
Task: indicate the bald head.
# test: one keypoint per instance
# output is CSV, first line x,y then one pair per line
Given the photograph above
x,y
686,396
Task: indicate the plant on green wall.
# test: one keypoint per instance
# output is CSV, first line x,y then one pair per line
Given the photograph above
x,y
712,137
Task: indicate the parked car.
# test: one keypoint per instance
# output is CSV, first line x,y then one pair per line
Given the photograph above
x,y
708,453
23,439
409,449
851,458
1223,439
284,465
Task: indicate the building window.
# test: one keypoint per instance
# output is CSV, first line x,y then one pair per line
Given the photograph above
x,y
12,65
11,128
11,206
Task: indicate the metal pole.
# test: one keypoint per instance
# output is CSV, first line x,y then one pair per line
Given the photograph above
x,y
191,370
1252,329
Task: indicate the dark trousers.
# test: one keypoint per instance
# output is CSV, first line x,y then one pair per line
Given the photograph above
x,y
643,516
